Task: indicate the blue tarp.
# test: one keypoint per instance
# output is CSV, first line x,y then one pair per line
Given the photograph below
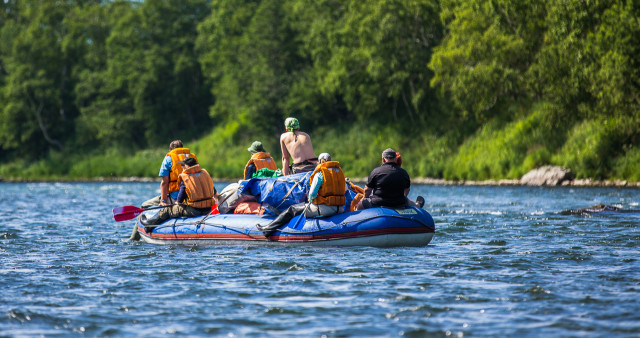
x,y
284,191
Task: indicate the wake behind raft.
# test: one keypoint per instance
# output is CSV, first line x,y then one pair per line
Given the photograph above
x,y
378,227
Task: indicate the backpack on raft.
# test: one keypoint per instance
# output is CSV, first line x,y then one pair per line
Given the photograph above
x,y
230,197
254,208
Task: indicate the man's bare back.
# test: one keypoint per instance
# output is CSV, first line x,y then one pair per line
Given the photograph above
x,y
297,145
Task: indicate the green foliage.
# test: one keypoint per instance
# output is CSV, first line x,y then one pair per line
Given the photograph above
x,y
482,61
506,150
38,112
373,56
222,155
615,76
107,112
627,167
357,147
595,146
111,165
150,87
463,89
248,52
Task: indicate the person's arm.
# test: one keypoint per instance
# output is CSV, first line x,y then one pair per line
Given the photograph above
x,y
371,182
367,191
165,173
216,196
251,169
408,184
285,157
318,179
164,190
182,195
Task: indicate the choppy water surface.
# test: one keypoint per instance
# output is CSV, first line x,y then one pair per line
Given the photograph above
x,y
503,261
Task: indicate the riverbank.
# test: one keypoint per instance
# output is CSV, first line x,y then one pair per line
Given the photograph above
x,y
588,182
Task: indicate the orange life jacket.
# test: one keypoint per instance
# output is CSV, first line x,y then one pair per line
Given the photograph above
x,y
177,155
261,160
333,186
199,187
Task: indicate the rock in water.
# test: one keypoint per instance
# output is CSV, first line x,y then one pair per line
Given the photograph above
x,y
547,175
593,209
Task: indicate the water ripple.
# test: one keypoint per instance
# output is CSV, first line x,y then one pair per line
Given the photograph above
x,y
504,262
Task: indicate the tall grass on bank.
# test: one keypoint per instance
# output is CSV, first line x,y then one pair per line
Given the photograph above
x,y
602,148
110,164
358,147
499,150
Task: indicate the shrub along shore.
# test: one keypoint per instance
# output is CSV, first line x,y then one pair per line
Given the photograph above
x,y
466,91
361,181
483,159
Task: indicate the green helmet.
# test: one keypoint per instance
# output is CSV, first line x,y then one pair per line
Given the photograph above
x,y
256,147
291,123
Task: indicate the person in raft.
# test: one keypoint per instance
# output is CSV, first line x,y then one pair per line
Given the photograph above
x,y
169,171
388,185
260,159
297,145
326,195
195,198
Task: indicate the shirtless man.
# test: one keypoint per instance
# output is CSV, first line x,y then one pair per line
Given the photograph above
x,y
297,145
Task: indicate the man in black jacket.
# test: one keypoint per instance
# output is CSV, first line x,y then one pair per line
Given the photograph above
x,y
388,185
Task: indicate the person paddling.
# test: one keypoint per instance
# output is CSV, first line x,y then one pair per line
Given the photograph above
x,y
169,171
297,145
196,192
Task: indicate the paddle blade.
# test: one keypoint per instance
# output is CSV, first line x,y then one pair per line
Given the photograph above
x,y
298,221
126,213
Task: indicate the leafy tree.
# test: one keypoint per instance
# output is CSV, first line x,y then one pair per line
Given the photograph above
x,y
168,93
614,76
150,89
39,112
102,96
560,72
373,55
482,62
249,52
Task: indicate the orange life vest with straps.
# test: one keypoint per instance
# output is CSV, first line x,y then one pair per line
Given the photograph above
x,y
199,187
177,155
333,186
261,160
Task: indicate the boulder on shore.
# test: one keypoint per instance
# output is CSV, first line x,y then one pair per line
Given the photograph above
x,y
547,175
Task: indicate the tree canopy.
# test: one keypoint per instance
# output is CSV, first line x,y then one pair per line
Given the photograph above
x,y
552,82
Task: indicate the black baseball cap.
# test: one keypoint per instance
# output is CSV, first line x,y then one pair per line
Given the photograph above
x,y
190,161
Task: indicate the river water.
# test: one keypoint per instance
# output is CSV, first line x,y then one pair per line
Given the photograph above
x,y
503,261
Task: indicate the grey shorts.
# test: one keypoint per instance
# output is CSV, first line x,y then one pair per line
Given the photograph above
x,y
303,168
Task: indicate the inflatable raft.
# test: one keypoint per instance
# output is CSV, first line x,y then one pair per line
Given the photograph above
x,y
378,227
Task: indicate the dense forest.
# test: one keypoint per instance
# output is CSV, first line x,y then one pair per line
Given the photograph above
x,y
464,89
